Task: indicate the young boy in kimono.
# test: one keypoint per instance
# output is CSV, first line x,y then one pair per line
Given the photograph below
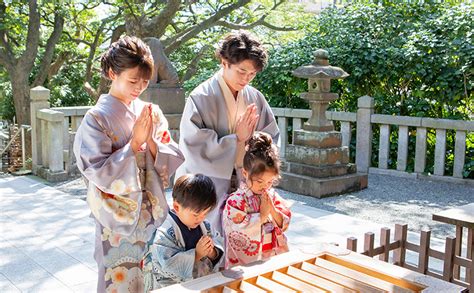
x,y
222,113
125,153
255,216
184,246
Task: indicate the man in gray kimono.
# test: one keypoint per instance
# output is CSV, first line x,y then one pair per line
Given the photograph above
x,y
221,114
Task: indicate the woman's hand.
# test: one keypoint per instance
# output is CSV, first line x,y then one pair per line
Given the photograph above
x,y
142,128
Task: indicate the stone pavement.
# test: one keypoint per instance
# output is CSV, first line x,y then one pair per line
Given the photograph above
x,y
47,237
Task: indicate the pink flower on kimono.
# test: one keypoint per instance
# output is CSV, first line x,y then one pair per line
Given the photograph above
x,y
115,239
119,275
238,218
253,248
238,240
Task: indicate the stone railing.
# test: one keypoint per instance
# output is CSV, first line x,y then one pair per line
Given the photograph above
x,y
365,119
53,131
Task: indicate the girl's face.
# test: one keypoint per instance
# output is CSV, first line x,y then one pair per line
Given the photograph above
x,y
259,183
237,76
128,85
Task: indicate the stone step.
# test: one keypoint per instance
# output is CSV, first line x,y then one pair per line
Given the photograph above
x,y
317,157
318,172
322,187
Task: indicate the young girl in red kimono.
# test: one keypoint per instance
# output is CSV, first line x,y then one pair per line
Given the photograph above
x,y
255,216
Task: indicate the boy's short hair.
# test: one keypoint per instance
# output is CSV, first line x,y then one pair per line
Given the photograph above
x,y
195,191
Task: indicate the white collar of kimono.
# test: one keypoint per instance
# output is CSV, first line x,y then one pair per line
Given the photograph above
x,y
235,106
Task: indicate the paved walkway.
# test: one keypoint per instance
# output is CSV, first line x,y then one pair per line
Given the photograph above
x,y
46,242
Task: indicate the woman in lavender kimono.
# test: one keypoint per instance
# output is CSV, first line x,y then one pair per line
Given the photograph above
x,y
221,114
125,153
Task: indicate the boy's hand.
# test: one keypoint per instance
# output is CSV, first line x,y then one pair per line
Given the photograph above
x,y
204,247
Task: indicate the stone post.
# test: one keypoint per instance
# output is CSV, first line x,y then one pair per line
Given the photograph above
x,y
364,133
38,100
52,145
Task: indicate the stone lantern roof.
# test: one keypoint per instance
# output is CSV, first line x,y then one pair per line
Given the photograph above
x,y
320,68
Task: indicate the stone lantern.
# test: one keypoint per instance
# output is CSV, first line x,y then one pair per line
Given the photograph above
x,y
319,75
316,163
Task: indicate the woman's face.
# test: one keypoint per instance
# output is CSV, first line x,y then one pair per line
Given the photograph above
x,y
127,85
237,76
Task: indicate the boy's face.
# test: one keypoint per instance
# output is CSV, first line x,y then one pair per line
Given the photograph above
x,y
189,217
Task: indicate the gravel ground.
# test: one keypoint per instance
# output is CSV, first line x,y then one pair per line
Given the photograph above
x,y
388,200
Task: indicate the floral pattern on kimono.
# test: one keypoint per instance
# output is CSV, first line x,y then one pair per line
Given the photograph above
x,y
169,262
125,190
245,236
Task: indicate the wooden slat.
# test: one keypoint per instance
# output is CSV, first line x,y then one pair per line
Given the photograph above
x,y
352,244
385,243
436,254
470,255
412,247
423,254
295,283
248,287
382,284
340,279
400,235
229,290
374,273
448,268
457,250
317,281
270,285
369,239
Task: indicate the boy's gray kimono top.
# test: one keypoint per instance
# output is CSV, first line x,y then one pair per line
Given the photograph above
x,y
206,141
170,261
125,191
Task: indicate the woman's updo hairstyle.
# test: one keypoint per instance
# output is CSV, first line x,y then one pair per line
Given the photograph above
x,y
239,46
261,155
127,52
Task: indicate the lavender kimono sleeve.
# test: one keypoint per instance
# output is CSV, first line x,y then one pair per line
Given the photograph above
x,y
114,191
168,157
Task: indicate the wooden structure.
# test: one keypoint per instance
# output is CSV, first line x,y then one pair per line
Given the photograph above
x,y
400,245
461,217
297,271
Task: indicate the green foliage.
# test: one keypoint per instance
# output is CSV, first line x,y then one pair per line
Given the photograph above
x,y
414,59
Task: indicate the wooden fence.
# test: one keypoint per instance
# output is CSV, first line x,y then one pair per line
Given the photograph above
x,y
400,245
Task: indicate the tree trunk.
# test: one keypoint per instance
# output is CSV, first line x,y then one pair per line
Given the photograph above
x,y
21,97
